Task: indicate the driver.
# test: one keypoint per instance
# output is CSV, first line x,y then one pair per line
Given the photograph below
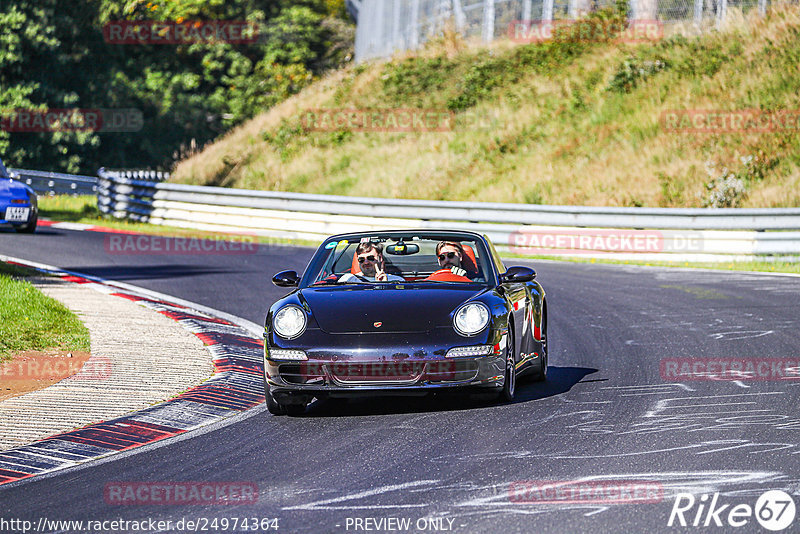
x,y
450,254
370,261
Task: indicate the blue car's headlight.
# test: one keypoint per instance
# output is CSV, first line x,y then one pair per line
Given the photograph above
x,y
289,322
471,318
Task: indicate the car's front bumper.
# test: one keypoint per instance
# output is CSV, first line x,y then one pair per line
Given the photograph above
x,y
411,365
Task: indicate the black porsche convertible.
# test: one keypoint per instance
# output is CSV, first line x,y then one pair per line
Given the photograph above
x,y
403,312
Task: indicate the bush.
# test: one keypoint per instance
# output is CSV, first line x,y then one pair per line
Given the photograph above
x,y
632,71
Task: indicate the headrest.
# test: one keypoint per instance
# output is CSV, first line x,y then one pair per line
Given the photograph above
x,y
468,261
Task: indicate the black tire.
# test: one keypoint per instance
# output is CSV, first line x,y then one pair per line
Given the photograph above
x,y
30,227
293,410
274,407
282,408
510,382
541,375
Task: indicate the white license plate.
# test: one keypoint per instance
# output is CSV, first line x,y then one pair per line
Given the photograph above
x,y
17,214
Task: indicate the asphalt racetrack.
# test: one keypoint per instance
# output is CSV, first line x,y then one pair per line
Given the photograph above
x,y
610,421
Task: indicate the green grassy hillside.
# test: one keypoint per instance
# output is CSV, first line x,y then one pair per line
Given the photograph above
x,y
563,122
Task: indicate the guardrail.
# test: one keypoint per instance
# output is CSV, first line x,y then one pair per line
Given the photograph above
x,y
691,234
54,183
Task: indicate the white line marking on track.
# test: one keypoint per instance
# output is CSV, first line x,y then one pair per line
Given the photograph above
x,y
321,505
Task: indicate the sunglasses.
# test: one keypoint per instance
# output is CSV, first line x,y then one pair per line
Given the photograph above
x,y
448,255
362,259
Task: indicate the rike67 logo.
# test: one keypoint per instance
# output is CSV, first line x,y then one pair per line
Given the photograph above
x,y
774,510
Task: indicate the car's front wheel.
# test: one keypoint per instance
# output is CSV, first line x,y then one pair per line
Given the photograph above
x,y
510,382
282,408
541,374
274,407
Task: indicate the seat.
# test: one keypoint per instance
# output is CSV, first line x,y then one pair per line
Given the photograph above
x,y
355,268
468,262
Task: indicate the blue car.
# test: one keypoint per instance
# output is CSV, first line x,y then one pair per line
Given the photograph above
x,y
18,205
403,312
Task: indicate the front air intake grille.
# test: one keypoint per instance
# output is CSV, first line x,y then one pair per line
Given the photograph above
x,y
301,373
374,373
451,371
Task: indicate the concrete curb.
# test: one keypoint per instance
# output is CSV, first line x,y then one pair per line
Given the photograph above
x,y
236,386
138,358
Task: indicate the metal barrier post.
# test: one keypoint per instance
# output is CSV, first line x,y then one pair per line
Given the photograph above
x,y
488,21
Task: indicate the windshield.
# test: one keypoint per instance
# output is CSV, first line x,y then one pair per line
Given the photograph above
x,y
391,259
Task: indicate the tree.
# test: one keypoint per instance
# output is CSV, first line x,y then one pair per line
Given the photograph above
x,y
53,56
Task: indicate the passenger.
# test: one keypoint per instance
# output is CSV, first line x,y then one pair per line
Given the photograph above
x,y
450,254
370,261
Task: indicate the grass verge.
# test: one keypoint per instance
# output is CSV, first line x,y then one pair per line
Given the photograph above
x,y
82,208
33,321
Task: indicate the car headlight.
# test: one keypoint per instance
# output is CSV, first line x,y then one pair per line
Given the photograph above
x,y
477,350
283,354
471,319
289,322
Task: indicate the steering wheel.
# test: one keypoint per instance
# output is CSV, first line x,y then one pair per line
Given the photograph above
x,y
446,275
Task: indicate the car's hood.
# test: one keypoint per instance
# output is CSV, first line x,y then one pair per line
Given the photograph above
x,y
384,308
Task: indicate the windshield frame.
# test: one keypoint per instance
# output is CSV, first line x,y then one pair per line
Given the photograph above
x,y
323,254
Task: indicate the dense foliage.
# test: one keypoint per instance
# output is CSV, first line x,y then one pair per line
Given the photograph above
x,y
53,56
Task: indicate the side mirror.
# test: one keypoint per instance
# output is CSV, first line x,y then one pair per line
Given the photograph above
x,y
286,279
517,274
